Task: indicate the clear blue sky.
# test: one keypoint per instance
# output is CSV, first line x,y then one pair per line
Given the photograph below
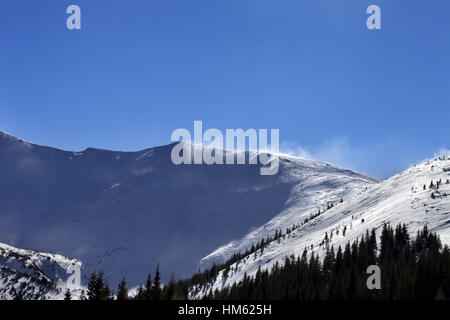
x,y
374,101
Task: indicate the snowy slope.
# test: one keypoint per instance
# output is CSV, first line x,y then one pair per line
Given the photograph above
x,y
400,199
35,275
317,185
124,212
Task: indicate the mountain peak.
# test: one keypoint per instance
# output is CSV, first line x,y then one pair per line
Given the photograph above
x,y
112,209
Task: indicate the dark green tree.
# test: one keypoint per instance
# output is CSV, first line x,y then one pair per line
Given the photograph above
x,y
122,291
157,284
67,295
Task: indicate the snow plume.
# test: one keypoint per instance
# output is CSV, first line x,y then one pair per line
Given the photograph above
x,y
367,157
293,150
442,152
337,151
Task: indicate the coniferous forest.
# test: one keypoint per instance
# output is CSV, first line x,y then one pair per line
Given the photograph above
x,y
411,269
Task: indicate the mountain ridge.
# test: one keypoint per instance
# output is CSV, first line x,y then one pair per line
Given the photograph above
x,y
124,212
416,197
31,275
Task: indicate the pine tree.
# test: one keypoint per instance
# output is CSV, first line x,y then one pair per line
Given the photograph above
x,y
122,291
98,288
141,293
91,288
353,290
148,292
170,289
157,284
67,295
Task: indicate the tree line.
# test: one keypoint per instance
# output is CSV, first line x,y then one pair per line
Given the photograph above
x,y
410,269
416,268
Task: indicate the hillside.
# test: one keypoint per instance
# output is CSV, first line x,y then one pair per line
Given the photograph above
x,y
31,275
407,198
124,212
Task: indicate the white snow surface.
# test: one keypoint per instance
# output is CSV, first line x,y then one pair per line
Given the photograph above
x,y
400,199
36,275
316,185
124,212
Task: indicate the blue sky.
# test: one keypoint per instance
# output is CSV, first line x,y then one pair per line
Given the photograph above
x,y
374,101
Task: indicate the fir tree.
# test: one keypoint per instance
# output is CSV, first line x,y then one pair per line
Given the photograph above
x,y
122,291
148,292
157,284
98,287
169,291
67,295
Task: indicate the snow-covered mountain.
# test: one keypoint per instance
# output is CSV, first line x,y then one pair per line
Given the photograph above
x,y
317,186
124,212
416,197
32,275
